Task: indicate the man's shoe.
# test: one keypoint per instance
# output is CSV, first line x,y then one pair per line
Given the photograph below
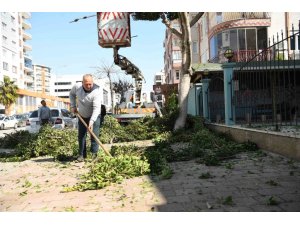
x,y
80,159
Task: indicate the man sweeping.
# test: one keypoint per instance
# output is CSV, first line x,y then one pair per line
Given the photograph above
x,y
88,105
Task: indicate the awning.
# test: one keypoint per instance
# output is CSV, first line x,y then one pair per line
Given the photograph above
x,y
199,68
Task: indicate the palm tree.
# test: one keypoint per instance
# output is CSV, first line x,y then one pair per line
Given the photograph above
x,y
106,70
8,93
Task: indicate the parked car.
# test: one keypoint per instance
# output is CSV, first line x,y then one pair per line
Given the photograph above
x,y
8,122
22,118
61,118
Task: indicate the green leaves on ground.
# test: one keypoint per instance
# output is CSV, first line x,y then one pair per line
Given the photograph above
x,y
61,144
127,162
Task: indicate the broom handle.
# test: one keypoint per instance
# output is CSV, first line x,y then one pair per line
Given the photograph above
x,y
94,136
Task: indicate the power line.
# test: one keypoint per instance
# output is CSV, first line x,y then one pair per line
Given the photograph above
x,y
82,18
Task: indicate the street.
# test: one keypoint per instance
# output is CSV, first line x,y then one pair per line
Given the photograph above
x,y
10,130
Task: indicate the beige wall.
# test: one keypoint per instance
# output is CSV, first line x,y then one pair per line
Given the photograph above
x,y
284,145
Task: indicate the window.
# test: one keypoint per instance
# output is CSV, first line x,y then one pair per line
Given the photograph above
x,y
158,77
219,17
201,31
4,52
65,113
225,39
177,74
4,26
233,40
176,26
242,39
14,69
195,47
177,55
105,97
4,39
176,42
5,66
12,19
262,38
63,83
251,39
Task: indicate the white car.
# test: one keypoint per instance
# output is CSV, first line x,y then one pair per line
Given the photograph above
x,y
8,122
61,118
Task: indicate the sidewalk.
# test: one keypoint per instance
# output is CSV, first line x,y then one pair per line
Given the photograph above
x,y
247,183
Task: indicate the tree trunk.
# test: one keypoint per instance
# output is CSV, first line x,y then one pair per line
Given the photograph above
x,y
8,109
186,71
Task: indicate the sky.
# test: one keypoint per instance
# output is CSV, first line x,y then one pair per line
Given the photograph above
x,y
72,48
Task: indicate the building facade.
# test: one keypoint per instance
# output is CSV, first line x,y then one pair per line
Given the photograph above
x,y
246,33
159,80
27,65
42,79
33,81
11,47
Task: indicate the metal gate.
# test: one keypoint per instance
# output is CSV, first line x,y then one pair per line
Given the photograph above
x,y
216,107
266,89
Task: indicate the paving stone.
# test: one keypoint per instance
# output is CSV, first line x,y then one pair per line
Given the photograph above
x,y
185,191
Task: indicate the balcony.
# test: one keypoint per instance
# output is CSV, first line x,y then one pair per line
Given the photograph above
x,y
27,47
29,87
26,36
26,15
26,25
27,56
29,79
243,56
228,16
28,65
28,69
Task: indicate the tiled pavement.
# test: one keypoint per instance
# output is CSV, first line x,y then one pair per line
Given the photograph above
x,y
248,183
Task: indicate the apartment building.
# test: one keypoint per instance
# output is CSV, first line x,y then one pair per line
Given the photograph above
x,y
11,62
63,83
27,65
246,33
173,56
34,81
42,79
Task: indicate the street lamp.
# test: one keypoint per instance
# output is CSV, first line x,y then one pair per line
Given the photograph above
x,y
205,72
229,54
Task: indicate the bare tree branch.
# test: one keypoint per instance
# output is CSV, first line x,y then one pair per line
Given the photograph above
x,y
168,24
196,18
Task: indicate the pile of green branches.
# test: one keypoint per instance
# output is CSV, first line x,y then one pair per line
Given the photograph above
x,y
61,144
126,162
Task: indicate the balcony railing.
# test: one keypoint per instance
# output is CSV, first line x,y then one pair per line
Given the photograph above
x,y
27,56
243,56
26,15
28,67
228,16
26,25
27,47
27,36
29,79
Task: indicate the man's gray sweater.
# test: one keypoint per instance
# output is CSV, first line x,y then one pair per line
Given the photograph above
x,y
88,103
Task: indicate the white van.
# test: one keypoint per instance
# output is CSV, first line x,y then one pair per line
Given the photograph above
x,y
61,118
